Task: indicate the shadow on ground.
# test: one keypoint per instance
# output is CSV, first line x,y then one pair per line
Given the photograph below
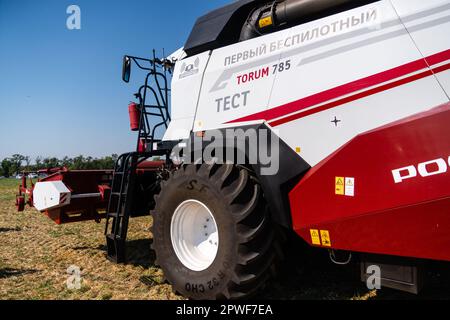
x,y
10,272
10,229
309,274
306,274
139,252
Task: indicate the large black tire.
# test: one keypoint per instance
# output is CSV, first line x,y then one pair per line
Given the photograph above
x,y
248,244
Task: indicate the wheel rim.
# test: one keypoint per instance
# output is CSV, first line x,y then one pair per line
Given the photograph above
x,y
194,235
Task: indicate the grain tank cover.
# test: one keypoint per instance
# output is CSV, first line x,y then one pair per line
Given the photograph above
x,y
247,19
208,31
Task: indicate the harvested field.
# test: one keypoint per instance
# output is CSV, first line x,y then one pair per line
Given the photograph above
x,y
35,254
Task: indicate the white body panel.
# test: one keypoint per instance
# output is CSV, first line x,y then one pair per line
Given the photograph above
x,y
316,135
50,195
221,81
435,38
330,59
186,87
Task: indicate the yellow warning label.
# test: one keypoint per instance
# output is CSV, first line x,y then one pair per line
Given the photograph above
x,y
325,236
315,238
339,185
265,22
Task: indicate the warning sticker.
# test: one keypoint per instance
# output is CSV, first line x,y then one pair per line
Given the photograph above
x,y
350,187
315,238
339,185
325,236
345,186
264,22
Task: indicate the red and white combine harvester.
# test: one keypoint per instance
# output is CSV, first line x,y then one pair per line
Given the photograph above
x,y
337,117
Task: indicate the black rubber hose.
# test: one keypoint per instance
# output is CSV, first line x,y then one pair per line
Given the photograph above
x,y
290,11
286,12
250,29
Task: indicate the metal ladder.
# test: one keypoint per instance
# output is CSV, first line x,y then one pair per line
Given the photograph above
x,y
157,108
120,205
124,176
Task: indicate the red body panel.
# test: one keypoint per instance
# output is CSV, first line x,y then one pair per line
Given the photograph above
x,y
79,182
410,218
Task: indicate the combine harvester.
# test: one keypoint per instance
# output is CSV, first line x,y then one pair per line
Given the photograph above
x,y
350,99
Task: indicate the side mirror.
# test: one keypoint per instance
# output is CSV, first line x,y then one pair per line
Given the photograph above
x,y
126,69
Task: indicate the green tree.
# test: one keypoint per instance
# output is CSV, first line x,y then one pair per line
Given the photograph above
x,y
38,161
6,167
27,160
78,163
108,162
16,160
49,163
66,162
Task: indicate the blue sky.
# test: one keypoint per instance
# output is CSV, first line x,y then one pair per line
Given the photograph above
x,y
60,90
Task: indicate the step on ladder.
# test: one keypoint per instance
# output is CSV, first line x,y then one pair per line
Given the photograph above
x,y
120,205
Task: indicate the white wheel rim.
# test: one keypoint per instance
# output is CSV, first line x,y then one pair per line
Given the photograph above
x,y
194,235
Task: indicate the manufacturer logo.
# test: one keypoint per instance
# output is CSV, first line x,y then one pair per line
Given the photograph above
x,y
424,169
189,69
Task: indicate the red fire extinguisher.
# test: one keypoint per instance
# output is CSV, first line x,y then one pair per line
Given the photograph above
x,y
135,116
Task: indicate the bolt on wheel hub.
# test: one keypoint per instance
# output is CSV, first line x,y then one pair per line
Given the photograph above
x,y
194,235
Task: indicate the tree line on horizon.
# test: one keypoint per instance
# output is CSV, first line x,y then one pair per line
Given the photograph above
x,y
17,163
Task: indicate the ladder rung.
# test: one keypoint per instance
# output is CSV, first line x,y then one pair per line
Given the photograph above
x,y
113,236
114,215
118,193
